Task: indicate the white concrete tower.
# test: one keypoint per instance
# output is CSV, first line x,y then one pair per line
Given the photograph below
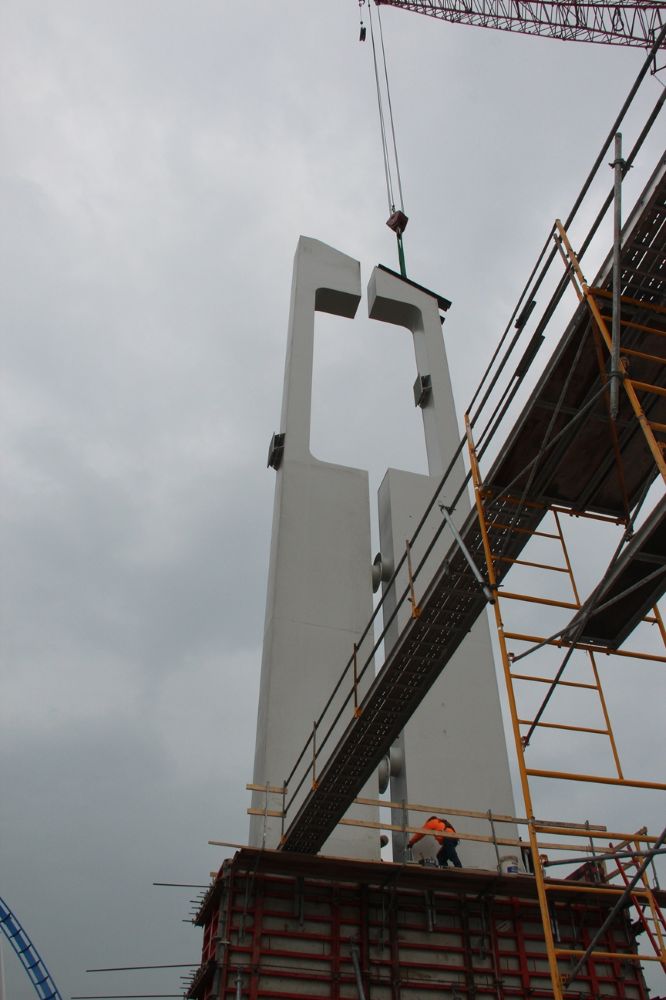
x,y
319,583
453,751
319,599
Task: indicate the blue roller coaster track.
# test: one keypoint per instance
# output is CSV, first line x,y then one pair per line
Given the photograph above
x,y
39,975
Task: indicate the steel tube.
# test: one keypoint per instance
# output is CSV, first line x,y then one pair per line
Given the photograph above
x,y
618,164
618,906
357,971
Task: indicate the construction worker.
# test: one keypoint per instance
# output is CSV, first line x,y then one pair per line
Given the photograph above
x,y
447,851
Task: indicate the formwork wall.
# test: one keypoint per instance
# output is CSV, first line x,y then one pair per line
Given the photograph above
x,y
415,933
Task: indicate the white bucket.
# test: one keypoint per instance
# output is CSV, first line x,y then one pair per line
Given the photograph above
x,y
509,865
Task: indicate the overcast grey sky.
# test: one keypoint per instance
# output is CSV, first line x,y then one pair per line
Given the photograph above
x,y
158,162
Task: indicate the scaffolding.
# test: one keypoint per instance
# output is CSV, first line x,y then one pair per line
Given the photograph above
x,y
285,925
587,448
531,661
564,454
635,427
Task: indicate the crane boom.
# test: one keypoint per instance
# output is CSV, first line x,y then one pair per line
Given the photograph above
x,y
630,22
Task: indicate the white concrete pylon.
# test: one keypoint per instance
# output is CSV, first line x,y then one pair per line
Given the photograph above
x,y
453,751
319,586
319,596
394,301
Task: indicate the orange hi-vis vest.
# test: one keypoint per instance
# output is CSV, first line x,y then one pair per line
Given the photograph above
x,y
432,824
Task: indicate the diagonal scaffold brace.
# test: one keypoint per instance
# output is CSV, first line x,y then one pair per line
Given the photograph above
x,y
485,586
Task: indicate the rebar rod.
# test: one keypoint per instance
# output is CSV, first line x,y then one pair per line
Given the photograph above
x,y
183,885
131,968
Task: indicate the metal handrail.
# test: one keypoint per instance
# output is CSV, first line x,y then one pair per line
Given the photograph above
x,y
489,431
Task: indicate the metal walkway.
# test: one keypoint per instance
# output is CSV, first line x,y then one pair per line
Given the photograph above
x,y
564,450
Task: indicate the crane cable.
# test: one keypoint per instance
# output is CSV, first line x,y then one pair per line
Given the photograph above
x,y
397,218
390,107
382,125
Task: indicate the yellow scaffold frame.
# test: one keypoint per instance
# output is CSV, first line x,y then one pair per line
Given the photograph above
x,y
643,899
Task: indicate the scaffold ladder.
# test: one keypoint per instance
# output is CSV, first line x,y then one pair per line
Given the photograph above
x,y
495,523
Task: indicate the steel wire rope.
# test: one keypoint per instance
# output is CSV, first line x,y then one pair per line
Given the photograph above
x,y
390,108
380,108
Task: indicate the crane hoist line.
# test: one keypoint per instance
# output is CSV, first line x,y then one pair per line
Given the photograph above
x,y
629,22
637,23
397,219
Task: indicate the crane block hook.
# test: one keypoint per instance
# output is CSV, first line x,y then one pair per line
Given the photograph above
x,y
362,32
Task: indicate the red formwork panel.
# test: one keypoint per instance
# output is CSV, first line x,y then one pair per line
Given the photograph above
x,y
278,926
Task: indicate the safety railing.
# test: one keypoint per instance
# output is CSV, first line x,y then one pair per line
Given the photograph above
x,y
501,388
